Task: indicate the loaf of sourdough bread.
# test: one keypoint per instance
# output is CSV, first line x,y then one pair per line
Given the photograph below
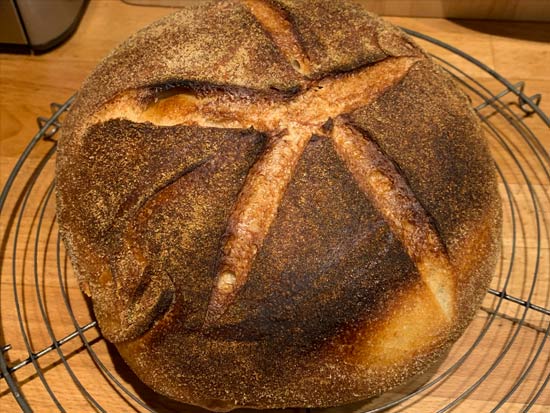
x,y
276,203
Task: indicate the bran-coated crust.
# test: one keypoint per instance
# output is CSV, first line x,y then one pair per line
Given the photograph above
x,y
143,211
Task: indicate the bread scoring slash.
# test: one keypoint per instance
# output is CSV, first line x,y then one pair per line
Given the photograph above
x,y
276,203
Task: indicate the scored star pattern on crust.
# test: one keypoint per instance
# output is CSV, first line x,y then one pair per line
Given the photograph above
x,y
289,123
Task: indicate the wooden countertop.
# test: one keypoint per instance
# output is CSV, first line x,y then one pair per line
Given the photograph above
x,y
518,51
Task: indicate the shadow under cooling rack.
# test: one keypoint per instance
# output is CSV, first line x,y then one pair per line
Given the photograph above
x,y
51,350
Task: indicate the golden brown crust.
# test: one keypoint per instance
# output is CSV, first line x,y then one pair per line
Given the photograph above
x,y
426,117
294,301
252,216
173,128
386,187
132,165
332,44
278,26
220,43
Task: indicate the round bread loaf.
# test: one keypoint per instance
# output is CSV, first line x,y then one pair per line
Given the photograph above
x,y
277,203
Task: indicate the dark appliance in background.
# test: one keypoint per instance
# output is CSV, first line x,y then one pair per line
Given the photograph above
x,y
37,26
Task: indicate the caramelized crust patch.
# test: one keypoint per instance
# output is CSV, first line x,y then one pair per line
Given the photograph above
x,y
387,188
392,340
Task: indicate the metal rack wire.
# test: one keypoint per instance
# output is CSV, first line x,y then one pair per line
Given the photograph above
x,y
520,294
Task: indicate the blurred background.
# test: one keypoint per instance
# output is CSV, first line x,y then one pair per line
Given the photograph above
x,y
536,10
40,25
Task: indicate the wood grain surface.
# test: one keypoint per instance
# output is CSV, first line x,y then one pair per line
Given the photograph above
x,y
531,10
519,51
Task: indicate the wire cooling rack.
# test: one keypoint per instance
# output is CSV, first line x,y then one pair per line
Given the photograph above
x,y
52,353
